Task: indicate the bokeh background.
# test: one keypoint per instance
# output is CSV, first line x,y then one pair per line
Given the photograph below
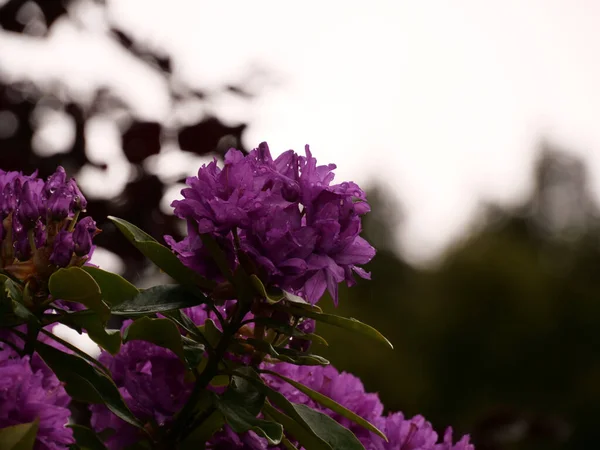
x,y
473,125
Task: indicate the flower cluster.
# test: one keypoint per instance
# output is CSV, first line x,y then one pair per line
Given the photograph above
x,y
38,224
152,381
30,391
299,230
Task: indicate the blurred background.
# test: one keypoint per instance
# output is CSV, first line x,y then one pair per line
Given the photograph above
x,y
472,125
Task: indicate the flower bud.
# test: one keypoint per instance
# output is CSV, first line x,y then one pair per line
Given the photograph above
x,y
28,210
82,236
78,202
63,249
56,180
59,203
8,202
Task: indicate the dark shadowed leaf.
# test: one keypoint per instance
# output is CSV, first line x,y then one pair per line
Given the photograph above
x,y
85,383
288,330
329,403
296,425
338,321
240,405
197,438
159,299
87,439
13,295
161,332
307,438
287,354
328,429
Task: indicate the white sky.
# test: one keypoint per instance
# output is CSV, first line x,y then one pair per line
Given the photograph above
x,y
442,101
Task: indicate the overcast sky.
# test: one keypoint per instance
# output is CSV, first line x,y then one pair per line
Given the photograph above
x,y
443,101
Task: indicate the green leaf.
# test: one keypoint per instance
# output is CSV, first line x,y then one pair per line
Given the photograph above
x,y
13,290
161,332
114,288
328,429
329,403
109,340
338,321
85,383
19,437
294,422
288,330
210,332
74,284
14,294
159,299
240,405
160,255
86,438
182,320
273,295
287,354
306,437
286,442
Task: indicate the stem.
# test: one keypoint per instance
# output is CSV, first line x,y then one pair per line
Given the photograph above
x,y
32,333
180,427
73,221
31,239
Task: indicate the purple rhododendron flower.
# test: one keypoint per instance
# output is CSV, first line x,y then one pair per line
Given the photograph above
x,y
28,393
406,434
63,249
37,222
463,444
153,384
299,229
151,379
345,388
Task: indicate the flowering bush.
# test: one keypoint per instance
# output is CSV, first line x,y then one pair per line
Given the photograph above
x,y
223,358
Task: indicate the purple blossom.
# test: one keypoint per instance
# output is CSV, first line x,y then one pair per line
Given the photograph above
x,y
405,434
35,218
301,231
463,444
29,207
345,388
59,204
79,202
27,394
82,235
152,382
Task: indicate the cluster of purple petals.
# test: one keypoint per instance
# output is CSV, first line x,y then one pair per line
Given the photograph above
x,y
152,381
346,389
30,391
299,229
36,211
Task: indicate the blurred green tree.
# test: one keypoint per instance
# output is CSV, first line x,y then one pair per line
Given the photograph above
x,y
501,336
